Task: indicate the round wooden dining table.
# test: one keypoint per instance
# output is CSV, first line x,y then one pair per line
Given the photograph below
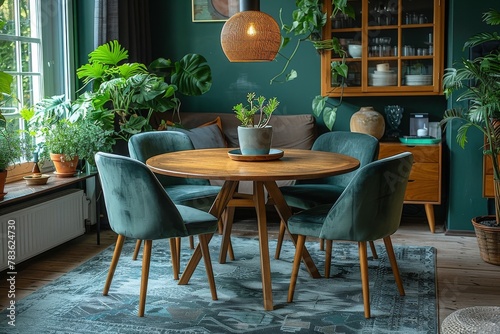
x,y
216,164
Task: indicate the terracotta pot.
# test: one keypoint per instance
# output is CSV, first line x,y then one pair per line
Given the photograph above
x,y
367,120
255,141
488,239
3,177
64,168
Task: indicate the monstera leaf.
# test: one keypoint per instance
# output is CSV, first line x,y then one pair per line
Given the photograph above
x,y
192,75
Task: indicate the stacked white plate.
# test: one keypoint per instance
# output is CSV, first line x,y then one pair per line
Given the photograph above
x,y
418,79
382,78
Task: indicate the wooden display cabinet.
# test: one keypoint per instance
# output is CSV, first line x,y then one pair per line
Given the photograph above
x,y
424,184
407,35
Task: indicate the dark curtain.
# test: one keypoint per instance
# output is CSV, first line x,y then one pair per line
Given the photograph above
x,y
126,21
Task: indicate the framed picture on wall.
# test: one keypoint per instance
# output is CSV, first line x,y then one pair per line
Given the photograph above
x,y
214,10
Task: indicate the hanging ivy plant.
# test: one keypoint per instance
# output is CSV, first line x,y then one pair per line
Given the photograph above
x,y
307,25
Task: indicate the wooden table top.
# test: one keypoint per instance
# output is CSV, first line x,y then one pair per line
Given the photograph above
x,y
215,164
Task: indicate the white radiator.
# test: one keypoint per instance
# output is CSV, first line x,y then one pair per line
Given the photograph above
x,y
42,224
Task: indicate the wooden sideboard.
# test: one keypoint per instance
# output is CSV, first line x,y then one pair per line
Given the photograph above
x,y
424,184
488,187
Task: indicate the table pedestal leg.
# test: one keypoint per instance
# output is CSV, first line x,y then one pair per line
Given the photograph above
x,y
265,265
285,212
217,209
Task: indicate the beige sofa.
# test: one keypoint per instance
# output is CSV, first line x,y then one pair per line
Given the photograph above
x,y
289,131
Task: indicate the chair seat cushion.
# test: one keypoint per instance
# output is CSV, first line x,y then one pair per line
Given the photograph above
x,y
309,222
306,196
197,221
197,196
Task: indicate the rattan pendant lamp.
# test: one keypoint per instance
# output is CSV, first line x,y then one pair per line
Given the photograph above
x,y
250,35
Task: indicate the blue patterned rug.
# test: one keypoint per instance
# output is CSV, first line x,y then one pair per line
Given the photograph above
x,y
74,303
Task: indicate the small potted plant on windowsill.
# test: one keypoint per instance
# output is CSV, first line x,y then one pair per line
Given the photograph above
x,y
254,133
11,150
67,137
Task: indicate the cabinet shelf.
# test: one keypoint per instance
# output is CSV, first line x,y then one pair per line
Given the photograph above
x,y
416,48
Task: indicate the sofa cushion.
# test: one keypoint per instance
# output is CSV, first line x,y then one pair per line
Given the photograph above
x,y
209,136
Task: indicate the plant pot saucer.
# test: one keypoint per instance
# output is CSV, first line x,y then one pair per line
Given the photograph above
x,y
274,154
36,180
71,174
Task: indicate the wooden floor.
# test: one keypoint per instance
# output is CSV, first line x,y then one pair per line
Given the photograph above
x,y
463,278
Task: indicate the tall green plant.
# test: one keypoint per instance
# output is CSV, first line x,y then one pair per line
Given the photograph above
x,y
133,91
477,83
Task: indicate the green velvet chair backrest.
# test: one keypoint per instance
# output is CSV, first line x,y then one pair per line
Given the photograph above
x,y
136,203
357,145
370,207
145,145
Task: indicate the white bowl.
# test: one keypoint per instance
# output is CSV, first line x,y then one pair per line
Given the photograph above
x,y
355,50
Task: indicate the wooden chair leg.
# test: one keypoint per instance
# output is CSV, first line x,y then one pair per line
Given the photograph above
x,y
175,258
227,222
279,243
299,248
373,249
363,265
114,262
394,265
322,244
205,253
228,218
191,242
137,249
328,257
146,260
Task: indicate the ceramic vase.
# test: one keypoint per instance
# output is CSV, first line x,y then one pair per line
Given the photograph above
x,y
367,120
255,141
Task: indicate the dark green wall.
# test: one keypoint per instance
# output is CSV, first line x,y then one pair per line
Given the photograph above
x,y
176,35
465,165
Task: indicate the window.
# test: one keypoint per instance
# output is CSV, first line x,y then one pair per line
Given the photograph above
x,y
36,48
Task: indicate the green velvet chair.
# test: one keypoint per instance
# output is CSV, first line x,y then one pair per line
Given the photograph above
x,y
368,209
138,207
196,193
306,194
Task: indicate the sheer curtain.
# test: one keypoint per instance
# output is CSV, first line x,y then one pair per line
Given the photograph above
x,y
126,21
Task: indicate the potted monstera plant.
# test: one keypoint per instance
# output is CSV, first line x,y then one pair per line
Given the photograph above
x,y
477,82
255,134
130,92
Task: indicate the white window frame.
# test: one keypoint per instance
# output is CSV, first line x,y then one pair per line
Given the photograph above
x,y
53,56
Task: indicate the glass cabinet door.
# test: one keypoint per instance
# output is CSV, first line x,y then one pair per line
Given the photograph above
x,y
396,49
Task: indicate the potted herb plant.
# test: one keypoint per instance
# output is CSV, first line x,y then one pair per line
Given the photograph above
x,y
67,137
478,84
11,150
254,133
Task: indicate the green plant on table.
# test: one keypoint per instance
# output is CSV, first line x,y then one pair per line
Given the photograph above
x,y
245,113
477,82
